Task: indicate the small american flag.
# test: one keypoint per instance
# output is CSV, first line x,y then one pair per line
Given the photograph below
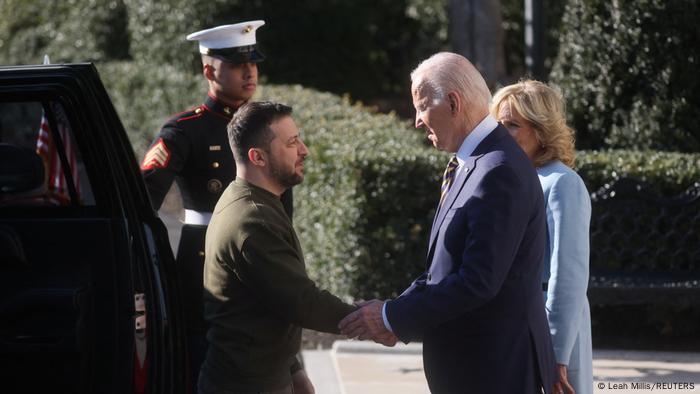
x,y
46,148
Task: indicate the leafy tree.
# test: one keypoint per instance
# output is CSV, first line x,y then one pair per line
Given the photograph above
x,y
476,33
629,72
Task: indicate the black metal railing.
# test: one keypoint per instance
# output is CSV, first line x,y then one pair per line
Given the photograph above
x,y
644,247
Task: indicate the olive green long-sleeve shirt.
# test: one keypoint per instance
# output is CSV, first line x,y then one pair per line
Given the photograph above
x,y
257,294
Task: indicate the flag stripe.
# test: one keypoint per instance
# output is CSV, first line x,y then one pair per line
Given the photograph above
x,y
46,148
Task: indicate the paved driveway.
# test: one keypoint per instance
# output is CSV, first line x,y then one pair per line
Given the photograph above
x,y
354,367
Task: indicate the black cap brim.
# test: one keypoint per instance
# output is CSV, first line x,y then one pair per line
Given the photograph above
x,y
244,54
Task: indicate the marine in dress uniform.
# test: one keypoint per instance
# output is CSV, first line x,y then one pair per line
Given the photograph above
x,y
192,149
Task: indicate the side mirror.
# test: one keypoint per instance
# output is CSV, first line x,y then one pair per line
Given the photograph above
x,y
21,170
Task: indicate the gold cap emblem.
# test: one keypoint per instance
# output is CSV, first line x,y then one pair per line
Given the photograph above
x,y
247,29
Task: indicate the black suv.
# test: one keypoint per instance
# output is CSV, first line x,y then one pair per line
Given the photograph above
x,y
88,299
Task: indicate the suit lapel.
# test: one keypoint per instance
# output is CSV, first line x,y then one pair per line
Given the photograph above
x,y
459,182
455,189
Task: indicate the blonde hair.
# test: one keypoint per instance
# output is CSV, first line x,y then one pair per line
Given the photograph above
x,y
543,107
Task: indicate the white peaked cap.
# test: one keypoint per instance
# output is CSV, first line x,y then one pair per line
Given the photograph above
x,y
226,36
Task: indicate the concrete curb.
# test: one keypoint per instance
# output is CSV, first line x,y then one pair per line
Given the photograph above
x,y
367,347
646,355
322,365
323,371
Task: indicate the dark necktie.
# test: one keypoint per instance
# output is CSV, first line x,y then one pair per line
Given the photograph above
x,y
447,178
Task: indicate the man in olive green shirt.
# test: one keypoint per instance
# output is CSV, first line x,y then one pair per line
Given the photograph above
x,y
257,295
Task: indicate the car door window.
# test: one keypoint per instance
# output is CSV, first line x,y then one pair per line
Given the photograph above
x,y
44,129
53,243
88,298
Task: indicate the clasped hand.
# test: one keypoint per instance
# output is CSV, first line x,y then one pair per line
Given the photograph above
x,y
367,323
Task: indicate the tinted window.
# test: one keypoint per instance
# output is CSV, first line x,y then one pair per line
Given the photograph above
x,y
45,130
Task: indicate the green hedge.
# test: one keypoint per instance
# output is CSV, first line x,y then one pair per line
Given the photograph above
x,y
671,173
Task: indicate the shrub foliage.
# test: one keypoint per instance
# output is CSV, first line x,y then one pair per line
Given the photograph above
x,y
670,173
67,31
629,71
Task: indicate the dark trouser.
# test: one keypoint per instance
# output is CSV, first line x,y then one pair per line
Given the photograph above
x,y
196,351
190,266
207,387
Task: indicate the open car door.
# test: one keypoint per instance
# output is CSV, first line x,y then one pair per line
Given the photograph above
x,y
87,282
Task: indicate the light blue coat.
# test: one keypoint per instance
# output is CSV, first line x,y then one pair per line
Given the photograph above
x,y
568,208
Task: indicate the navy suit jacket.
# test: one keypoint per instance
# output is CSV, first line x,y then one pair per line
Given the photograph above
x,y
479,308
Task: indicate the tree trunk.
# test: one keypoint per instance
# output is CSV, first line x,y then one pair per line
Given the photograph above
x,y
476,33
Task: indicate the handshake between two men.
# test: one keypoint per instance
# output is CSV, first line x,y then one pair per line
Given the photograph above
x,y
367,322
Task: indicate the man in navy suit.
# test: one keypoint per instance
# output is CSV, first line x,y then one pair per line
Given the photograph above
x,y
478,308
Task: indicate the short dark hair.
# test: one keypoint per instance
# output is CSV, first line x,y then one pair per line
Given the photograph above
x,y
250,127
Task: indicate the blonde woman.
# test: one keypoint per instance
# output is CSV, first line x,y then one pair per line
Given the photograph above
x,y
534,114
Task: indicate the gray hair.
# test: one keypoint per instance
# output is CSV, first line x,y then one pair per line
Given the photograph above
x,y
446,72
